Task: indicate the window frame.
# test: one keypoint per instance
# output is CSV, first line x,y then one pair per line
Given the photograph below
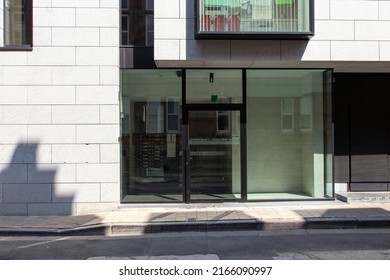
x,y
28,13
255,35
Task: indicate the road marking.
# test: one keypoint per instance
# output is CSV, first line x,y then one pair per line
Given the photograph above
x,y
45,242
164,257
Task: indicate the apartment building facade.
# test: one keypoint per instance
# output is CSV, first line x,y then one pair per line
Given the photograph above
x,y
104,103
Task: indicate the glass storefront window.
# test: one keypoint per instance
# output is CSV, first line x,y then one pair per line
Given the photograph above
x,y
278,145
254,16
151,136
214,86
287,153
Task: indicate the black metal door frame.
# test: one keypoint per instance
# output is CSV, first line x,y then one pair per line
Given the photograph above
x,y
186,108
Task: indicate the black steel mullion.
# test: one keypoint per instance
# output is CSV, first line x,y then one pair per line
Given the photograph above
x,y
243,139
185,140
184,96
312,20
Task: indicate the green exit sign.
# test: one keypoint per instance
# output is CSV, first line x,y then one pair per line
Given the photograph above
x,y
214,98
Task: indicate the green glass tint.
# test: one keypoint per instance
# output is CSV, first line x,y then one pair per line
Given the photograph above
x,y
288,134
214,86
151,136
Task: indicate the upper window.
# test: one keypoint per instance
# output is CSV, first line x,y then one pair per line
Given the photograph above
x,y
16,28
274,19
137,24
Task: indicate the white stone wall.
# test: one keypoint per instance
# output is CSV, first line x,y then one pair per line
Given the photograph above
x,y
350,35
59,112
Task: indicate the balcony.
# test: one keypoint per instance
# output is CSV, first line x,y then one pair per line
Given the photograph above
x,y
255,19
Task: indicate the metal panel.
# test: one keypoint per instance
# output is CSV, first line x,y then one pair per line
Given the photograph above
x,y
364,187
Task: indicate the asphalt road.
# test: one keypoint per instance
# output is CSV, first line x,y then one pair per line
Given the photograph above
x,y
369,244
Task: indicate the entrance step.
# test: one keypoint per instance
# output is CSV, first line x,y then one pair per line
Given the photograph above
x,y
356,197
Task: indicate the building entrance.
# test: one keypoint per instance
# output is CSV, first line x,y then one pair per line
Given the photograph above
x,y
212,155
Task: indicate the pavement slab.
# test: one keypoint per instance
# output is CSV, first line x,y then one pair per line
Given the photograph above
x,y
205,217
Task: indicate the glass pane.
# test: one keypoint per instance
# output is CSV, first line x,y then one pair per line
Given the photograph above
x,y
151,137
125,4
150,4
214,155
173,123
223,123
285,134
124,36
214,86
141,26
171,106
149,30
15,26
259,16
125,24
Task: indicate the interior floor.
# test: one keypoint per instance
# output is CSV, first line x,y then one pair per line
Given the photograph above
x,y
150,198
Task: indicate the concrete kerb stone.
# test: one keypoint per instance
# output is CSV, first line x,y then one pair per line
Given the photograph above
x,y
202,226
272,224
332,223
373,222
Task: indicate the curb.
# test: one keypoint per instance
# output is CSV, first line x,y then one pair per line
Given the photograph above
x,y
202,226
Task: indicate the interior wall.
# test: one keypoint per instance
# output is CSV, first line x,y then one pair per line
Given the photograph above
x,y
281,160
274,157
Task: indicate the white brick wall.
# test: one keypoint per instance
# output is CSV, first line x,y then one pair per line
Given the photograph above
x,y
29,153
76,193
59,112
76,114
26,193
345,31
51,95
76,153
76,36
104,173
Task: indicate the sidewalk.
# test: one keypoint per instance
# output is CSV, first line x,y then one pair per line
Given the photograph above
x,y
138,219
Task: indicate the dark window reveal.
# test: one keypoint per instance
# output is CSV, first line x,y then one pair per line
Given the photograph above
x,y
137,28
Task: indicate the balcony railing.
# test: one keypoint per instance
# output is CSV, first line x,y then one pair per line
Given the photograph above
x,y
255,18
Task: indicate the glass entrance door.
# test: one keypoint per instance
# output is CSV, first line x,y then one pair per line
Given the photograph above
x,y
213,155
